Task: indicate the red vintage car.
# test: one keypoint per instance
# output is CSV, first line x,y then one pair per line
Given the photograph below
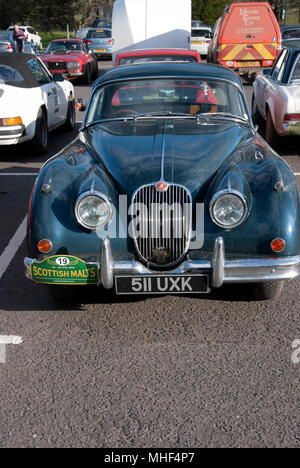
x,y
72,58
157,55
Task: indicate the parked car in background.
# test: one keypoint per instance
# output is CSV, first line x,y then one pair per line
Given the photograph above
x,y
170,139
291,43
247,39
72,58
33,102
31,35
276,97
30,48
99,42
290,32
7,43
81,33
98,23
157,55
201,38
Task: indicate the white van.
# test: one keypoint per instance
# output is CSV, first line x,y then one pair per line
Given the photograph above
x,y
151,24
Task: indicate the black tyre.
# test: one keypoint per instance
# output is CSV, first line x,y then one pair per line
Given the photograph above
x,y
256,117
39,144
87,75
70,123
96,71
268,290
272,136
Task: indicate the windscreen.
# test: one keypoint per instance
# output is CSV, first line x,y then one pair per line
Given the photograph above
x,y
64,46
157,58
201,33
99,34
166,96
291,34
5,35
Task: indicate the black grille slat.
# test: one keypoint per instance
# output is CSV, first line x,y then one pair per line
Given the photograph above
x,y
160,226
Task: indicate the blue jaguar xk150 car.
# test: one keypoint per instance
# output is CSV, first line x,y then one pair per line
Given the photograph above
x,y
167,189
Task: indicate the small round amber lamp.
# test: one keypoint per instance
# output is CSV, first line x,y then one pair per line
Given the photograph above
x,y
278,245
44,246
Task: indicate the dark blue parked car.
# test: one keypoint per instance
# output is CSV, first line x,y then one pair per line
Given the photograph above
x,y
167,189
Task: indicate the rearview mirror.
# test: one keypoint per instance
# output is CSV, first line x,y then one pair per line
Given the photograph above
x,y
81,104
267,72
58,77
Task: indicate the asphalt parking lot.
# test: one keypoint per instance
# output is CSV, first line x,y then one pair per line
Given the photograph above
x,y
169,371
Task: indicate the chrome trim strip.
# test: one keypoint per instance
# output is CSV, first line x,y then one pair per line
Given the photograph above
x,y
107,265
218,263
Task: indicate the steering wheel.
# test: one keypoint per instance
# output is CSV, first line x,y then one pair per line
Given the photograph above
x,y
124,111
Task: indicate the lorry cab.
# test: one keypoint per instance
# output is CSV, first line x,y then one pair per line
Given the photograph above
x,y
246,38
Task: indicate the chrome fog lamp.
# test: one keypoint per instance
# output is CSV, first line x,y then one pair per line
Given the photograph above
x,y
73,65
228,209
93,210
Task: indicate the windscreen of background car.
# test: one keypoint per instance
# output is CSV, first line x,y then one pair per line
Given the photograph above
x,y
63,46
157,58
295,75
9,75
291,34
5,35
201,33
99,34
180,95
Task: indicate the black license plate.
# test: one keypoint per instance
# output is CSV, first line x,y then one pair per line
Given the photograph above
x,y
162,284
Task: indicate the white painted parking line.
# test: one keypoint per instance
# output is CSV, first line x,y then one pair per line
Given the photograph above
x,y
19,174
297,173
12,247
8,340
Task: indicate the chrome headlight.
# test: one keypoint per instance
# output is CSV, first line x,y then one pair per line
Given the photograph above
x,y
228,209
93,210
72,65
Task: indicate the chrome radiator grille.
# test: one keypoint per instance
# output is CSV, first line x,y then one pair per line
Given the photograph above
x,y
162,223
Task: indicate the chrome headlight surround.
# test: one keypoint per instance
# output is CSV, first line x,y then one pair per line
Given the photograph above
x,y
98,197
224,193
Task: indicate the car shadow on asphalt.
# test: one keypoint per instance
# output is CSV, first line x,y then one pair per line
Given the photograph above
x,y
22,154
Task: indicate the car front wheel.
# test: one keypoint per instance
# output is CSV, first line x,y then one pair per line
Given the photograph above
x,y
256,117
87,75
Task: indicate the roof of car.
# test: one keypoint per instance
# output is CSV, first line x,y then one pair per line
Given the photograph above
x,y
78,39
295,26
19,62
170,69
130,53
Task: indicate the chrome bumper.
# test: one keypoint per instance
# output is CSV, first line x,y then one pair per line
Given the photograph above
x,y
220,270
